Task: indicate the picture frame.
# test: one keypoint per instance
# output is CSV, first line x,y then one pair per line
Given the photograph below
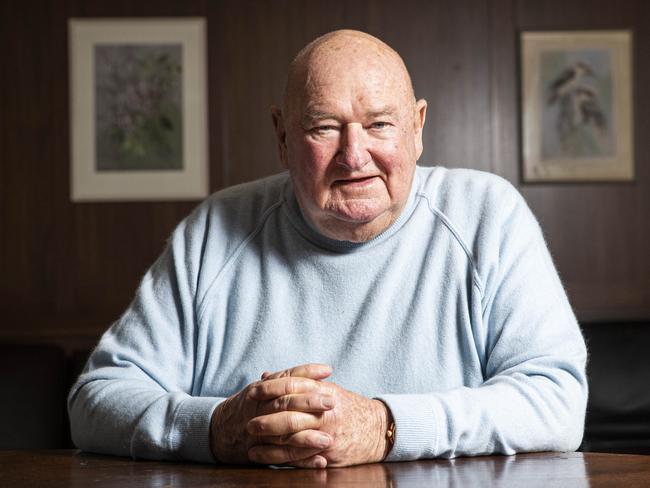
x,y
138,109
577,115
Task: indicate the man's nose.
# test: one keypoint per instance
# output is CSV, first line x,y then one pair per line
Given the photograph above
x,y
353,152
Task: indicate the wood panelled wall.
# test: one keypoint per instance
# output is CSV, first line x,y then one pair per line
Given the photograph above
x,y
71,268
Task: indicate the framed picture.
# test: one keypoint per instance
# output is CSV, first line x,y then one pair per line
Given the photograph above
x,y
577,106
138,109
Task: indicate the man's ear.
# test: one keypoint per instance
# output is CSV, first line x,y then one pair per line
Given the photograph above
x,y
280,133
420,118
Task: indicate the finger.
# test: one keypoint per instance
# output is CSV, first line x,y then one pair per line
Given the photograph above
x,y
314,462
282,423
310,402
310,438
273,388
270,454
314,371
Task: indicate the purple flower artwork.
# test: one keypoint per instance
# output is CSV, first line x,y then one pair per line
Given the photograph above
x,y
138,115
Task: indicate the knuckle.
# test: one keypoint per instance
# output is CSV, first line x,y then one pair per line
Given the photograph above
x,y
276,405
292,423
263,390
313,402
286,403
251,390
258,426
281,403
290,385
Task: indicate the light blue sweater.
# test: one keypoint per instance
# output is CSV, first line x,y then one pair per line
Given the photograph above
x,y
454,317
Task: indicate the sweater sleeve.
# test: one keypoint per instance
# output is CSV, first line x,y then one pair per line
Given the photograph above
x,y
534,392
135,396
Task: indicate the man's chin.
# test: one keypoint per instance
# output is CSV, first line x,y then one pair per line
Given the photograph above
x,y
357,224
358,214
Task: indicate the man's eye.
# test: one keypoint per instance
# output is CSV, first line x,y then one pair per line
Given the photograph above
x,y
324,129
379,125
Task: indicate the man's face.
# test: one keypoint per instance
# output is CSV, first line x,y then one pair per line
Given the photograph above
x,y
350,140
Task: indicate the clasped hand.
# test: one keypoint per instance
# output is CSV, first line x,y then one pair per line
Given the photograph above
x,y
292,417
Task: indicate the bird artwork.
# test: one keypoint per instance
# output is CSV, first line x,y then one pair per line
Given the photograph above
x,y
568,79
580,121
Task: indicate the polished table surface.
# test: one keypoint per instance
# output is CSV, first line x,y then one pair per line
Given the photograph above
x,y
76,469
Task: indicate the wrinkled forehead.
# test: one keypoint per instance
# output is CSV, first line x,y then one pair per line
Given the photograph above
x,y
353,81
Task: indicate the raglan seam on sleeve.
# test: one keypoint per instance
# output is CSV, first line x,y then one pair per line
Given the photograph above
x,y
230,259
447,223
500,220
204,246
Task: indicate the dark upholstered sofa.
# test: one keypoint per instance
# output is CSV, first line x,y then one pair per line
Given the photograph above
x,y
618,413
35,379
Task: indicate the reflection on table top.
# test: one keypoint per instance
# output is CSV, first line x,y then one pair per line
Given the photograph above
x,y
74,469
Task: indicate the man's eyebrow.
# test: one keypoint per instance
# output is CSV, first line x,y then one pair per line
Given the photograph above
x,y
382,112
312,115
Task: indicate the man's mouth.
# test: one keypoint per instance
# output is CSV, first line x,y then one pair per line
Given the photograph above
x,y
355,182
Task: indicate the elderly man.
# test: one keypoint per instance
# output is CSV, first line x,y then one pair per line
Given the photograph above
x,y
356,309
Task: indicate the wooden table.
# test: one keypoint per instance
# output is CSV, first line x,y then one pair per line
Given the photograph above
x,y
74,469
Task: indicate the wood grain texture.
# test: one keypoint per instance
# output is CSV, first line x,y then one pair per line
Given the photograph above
x,y
61,469
80,263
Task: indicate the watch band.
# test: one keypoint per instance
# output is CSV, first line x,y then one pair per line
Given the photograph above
x,y
391,431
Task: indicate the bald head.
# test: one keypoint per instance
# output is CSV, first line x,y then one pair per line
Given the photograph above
x,y
343,50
